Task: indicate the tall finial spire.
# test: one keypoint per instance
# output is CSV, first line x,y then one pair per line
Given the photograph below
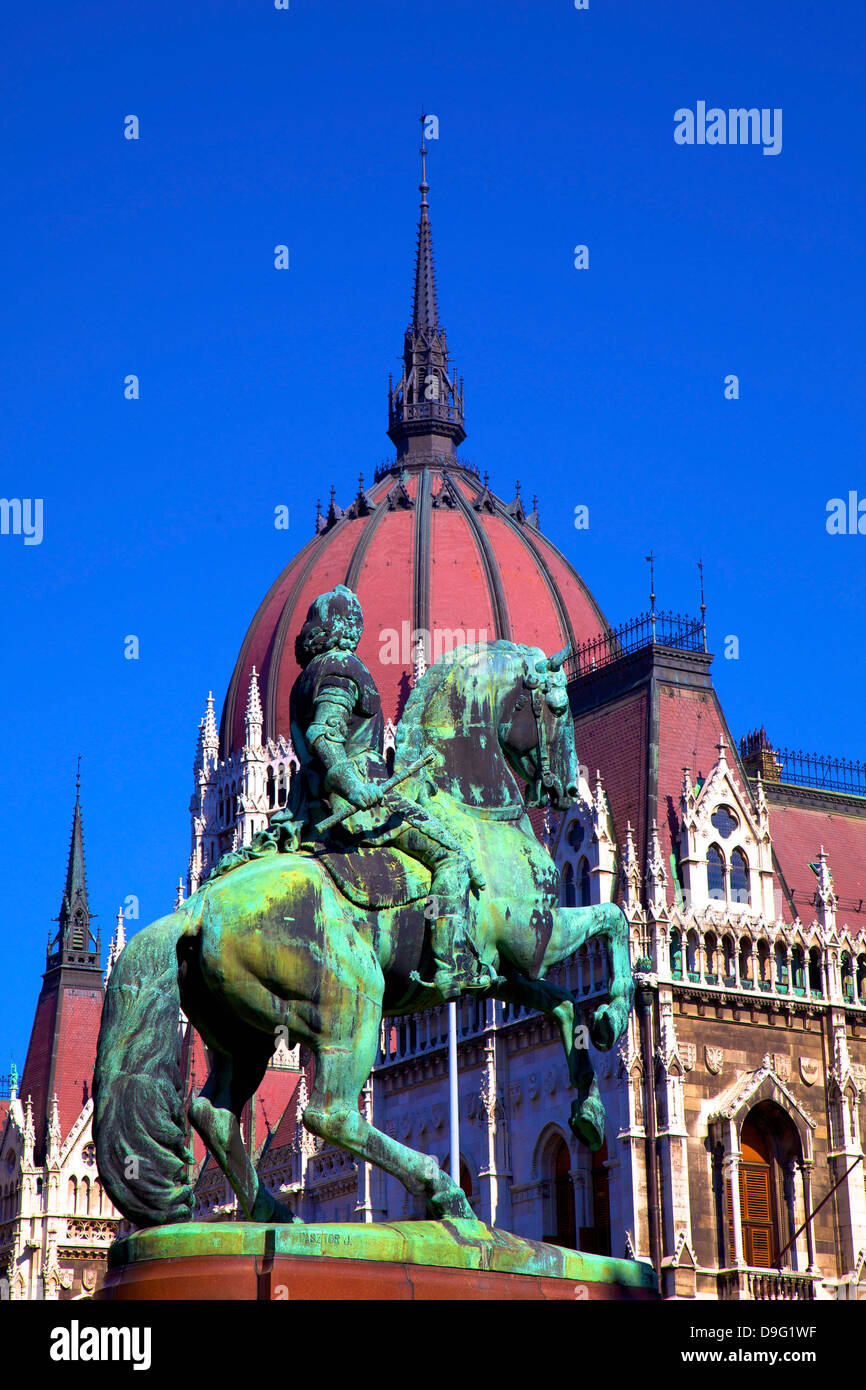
x,y
423,187
703,605
425,409
651,562
75,941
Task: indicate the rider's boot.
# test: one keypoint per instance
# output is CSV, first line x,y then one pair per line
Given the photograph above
x,y
458,968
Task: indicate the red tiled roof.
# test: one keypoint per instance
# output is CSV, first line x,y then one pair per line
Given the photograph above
x,y
613,740
275,1099
690,727
64,1035
798,833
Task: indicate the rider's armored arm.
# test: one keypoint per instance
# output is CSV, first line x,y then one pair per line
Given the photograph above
x,y
326,735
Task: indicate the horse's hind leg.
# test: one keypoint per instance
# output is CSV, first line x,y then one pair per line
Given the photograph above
x,y
216,1115
587,1110
342,1066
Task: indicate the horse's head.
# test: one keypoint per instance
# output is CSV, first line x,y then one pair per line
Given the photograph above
x,y
537,734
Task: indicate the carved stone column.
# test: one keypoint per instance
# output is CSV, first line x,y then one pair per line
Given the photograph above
x,y
731,1169
806,1171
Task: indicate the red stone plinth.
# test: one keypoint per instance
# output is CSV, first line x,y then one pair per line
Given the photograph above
x,y
413,1260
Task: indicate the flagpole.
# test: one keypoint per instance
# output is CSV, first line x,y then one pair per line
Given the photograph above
x,y
453,1095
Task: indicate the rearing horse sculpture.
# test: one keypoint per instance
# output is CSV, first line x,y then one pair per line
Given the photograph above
x,y
319,947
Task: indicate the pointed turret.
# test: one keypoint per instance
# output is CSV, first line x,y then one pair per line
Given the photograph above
x,y
253,718
55,1136
425,410
210,741
116,945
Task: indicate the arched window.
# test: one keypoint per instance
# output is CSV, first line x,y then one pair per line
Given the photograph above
x,y
568,889
764,965
711,947
781,968
816,987
676,954
595,1239
739,877
746,963
861,979
271,787
798,970
715,874
583,880
282,784
729,959
72,1197
692,956
559,1161
847,978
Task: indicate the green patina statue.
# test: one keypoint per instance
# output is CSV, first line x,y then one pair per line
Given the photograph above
x,y
370,896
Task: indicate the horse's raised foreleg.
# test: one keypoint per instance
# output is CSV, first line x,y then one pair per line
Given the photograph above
x,y
579,925
587,1110
216,1115
343,1061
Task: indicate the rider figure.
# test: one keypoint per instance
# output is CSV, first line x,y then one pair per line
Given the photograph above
x,y
338,729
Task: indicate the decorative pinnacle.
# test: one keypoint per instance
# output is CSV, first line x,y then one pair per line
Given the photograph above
x,y
423,187
254,703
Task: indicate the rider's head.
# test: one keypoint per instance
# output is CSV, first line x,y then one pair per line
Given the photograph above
x,y
334,623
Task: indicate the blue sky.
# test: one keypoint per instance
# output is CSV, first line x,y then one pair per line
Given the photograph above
x,y
261,387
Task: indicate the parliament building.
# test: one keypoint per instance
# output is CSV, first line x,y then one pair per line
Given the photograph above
x,y
733,1159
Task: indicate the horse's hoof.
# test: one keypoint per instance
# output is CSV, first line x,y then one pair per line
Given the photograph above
x,y
452,1203
267,1211
587,1123
601,1029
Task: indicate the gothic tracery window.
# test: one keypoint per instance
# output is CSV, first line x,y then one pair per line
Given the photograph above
x,y
583,882
724,821
739,877
715,874
568,888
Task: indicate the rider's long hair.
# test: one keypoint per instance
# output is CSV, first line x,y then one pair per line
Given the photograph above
x,y
138,1110
334,622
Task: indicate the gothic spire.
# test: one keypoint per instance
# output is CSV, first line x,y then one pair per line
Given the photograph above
x,y
425,311
425,410
74,936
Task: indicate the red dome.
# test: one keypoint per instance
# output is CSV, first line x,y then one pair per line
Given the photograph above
x,y
428,548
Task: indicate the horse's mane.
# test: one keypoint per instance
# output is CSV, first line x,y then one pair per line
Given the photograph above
x,y
413,735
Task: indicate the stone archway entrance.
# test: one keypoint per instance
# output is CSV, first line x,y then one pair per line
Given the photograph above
x,y
760,1222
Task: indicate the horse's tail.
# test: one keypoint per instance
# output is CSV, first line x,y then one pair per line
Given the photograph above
x,y
139,1122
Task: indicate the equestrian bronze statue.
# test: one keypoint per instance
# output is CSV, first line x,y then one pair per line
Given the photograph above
x,y
372,895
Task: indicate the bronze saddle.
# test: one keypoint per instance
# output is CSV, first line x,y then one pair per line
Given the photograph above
x,y
376,878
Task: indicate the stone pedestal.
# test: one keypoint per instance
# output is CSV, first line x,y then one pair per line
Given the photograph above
x,y
412,1260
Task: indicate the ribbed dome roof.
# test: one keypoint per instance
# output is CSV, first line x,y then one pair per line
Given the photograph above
x,y
426,548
